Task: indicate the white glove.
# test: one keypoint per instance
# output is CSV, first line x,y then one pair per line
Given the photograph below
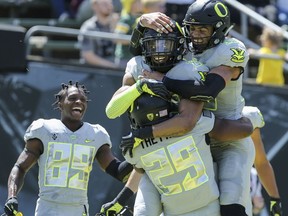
x,y
255,116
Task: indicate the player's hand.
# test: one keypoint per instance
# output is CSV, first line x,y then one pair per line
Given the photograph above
x,y
254,115
111,208
157,21
134,139
275,207
128,143
153,75
153,87
11,206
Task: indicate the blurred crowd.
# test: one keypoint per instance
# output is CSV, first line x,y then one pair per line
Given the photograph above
x,y
121,16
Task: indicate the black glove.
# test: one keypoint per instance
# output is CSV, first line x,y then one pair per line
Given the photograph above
x,y
11,206
128,142
275,207
117,205
111,208
153,87
134,139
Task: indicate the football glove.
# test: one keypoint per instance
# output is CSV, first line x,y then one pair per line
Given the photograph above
x,y
254,115
11,206
134,139
128,143
111,208
275,207
153,87
117,205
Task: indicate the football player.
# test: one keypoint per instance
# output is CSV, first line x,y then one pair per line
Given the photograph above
x,y
206,26
65,150
164,53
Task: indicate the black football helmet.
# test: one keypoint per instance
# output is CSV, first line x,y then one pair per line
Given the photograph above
x,y
162,51
208,12
149,110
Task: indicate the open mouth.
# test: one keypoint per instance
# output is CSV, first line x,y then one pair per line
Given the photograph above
x,y
198,41
159,58
78,110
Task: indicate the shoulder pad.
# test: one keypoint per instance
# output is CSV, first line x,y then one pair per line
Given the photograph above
x,y
35,125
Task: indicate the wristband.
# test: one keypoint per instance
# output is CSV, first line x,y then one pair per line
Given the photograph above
x,y
12,197
143,133
124,195
275,199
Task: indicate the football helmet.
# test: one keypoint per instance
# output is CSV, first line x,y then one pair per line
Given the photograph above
x,y
149,110
162,51
208,12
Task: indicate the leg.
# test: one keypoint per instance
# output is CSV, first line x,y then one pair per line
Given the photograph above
x,y
234,162
148,201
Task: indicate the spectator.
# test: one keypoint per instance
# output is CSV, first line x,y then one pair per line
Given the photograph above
x,y
85,11
175,9
131,10
63,9
264,8
282,12
99,52
270,70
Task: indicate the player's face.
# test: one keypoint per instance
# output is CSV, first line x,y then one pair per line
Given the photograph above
x,y
74,105
200,34
161,48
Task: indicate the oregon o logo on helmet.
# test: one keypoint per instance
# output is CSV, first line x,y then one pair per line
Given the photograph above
x,y
220,8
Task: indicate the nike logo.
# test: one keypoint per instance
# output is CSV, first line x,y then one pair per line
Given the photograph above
x,y
88,141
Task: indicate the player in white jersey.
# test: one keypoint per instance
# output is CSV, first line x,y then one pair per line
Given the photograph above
x,y
207,23
130,91
65,150
181,168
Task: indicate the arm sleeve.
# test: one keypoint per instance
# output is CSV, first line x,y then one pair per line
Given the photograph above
x,y
121,102
119,170
190,89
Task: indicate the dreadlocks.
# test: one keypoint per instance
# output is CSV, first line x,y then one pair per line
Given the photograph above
x,y
61,94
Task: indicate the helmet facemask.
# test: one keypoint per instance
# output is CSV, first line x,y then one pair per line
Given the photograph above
x,y
162,51
197,44
208,12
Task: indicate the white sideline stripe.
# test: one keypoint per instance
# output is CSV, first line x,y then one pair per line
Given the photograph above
x,y
277,147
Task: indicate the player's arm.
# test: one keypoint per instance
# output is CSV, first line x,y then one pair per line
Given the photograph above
x,y
124,195
190,89
227,130
122,98
263,166
125,96
111,165
178,125
266,174
182,123
28,157
215,82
